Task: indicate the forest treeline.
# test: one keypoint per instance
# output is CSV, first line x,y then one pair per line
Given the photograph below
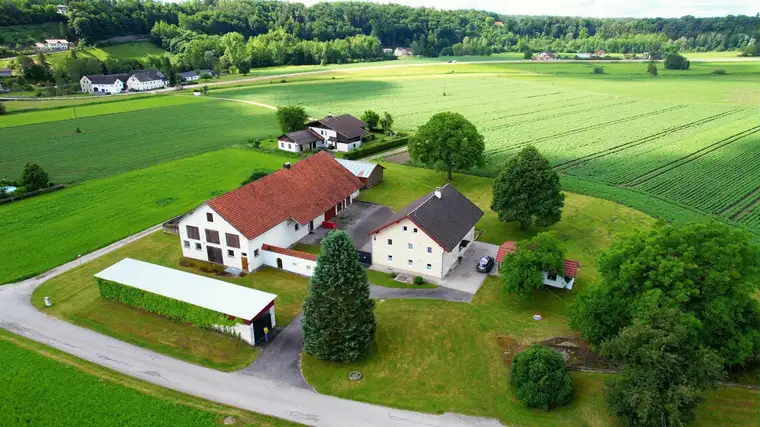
x,y
429,32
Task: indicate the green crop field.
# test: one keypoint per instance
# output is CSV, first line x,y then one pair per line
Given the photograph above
x,y
29,34
130,134
45,231
698,152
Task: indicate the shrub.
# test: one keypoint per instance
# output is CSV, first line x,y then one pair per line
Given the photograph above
x,y
540,379
393,274
674,61
2,109
419,281
257,174
598,70
719,71
384,146
204,266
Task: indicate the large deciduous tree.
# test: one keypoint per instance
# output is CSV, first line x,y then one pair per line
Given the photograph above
x,y
540,378
527,190
710,271
339,319
291,118
448,141
522,271
665,368
371,118
33,177
386,122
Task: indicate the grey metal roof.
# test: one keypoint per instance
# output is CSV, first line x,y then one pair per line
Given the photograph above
x,y
446,220
346,126
147,75
358,168
306,136
107,79
188,74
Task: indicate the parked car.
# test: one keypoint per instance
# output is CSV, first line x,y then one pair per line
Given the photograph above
x,y
485,265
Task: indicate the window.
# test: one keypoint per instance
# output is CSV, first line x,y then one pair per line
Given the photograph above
x,y
390,242
405,228
209,217
243,254
415,230
212,236
233,240
230,253
410,246
186,243
198,246
297,226
193,233
390,258
428,267
290,146
430,250
409,262
551,276
255,253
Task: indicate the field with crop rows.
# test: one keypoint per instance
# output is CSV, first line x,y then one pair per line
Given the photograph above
x,y
700,155
134,134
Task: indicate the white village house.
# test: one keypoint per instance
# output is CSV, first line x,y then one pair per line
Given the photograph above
x,y
189,76
140,80
256,224
103,83
403,51
341,133
429,236
53,45
566,280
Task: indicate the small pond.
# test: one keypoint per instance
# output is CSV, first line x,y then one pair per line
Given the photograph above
x,y
8,188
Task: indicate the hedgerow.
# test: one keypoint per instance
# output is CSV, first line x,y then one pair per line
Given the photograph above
x,y
167,307
363,152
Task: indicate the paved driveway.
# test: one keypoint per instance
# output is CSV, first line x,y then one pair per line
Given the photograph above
x,y
464,278
357,220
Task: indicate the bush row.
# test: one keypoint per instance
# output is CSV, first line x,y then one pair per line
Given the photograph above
x,y
204,266
167,307
21,193
377,148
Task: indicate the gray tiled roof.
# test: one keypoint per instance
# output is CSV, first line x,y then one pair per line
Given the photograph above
x,y
347,126
147,75
188,74
107,79
446,220
306,136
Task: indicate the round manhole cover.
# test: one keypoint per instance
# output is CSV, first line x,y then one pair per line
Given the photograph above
x,y
228,420
355,376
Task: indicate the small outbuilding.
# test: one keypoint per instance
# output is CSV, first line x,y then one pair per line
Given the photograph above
x,y
566,280
370,174
254,309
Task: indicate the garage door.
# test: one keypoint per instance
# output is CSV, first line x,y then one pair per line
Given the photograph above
x,y
264,321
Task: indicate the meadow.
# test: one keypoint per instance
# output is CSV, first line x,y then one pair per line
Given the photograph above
x,y
48,230
44,386
688,138
131,134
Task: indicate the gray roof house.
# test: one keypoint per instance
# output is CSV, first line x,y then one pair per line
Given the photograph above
x,y
370,174
147,75
107,79
429,236
189,76
346,127
301,140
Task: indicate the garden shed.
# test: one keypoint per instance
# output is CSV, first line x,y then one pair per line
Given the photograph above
x,y
250,309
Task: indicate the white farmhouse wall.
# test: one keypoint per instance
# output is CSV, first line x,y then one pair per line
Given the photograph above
x,y
240,330
304,267
289,146
197,218
283,235
450,258
137,85
325,133
400,252
345,147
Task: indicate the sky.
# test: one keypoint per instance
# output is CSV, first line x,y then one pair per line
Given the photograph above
x,y
594,8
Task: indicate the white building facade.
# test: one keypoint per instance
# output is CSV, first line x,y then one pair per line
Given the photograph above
x,y
137,83
101,84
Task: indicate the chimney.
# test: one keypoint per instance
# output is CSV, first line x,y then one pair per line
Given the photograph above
x,y
438,192
286,165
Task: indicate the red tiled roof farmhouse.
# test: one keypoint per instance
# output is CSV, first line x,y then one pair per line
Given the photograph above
x,y
508,247
301,193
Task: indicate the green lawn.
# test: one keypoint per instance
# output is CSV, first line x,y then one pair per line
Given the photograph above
x,y
76,299
45,231
133,135
35,104
440,356
50,387
30,34
137,50
384,279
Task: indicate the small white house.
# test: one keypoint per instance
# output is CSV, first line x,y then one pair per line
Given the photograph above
x,y
140,80
103,83
255,224
429,236
566,280
341,133
403,51
189,76
54,44
584,55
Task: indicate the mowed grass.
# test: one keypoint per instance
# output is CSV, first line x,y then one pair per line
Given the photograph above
x,y
44,386
437,356
114,143
45,231
77,300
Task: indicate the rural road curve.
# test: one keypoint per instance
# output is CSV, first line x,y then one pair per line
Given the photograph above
x,y
261,395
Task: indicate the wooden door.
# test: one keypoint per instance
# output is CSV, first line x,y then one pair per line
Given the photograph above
x,y
244,261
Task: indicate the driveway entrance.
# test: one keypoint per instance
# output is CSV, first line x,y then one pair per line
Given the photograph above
x,y
464,277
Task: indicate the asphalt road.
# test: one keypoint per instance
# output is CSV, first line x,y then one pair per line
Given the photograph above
x,y
253,393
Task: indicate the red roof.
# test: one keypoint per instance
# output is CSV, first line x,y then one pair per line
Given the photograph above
x,y
291,252
302,192
570,267
508,247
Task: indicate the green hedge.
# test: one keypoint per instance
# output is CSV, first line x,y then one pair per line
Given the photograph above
x,y
167,307
376,148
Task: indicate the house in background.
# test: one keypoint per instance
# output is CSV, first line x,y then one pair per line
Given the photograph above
x,y
545,56
104,83
189,76
566,280
205,71
584,55
53,45
140,80
387,51
403,51
6,72
62,9
429,236
370,174
256,224
340,133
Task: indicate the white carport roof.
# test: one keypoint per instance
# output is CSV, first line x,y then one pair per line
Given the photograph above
x,y
216,295
358,168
